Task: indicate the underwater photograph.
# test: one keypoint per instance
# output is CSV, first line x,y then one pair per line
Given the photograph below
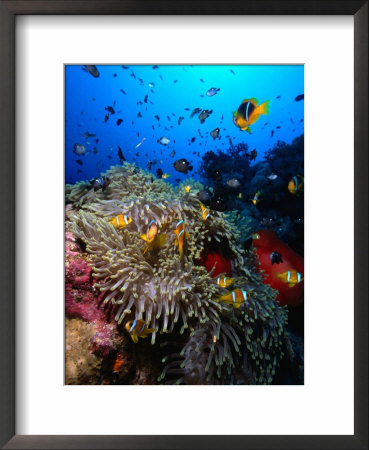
x,y
184,224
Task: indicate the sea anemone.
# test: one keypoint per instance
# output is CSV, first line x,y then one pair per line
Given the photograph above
x,y
174,294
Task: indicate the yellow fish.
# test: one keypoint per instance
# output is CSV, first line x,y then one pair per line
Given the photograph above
x,y
179,231
153,241
235,298
138,328
296,185
120,221
224,281
205,212
256,198
165,176
248,113
187,188
292,277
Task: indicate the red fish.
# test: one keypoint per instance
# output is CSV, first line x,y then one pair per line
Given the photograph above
x,y
267,242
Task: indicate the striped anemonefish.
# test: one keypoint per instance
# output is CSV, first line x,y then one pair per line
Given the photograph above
x,y
235,298
205,212
153,241
248,113
138,328
224,281
296,184
292,277
120,221
179,231
256,198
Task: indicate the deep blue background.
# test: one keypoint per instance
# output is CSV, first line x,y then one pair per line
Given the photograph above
x,y
85,114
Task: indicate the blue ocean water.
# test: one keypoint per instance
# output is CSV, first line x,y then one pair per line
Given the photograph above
x,y
176,92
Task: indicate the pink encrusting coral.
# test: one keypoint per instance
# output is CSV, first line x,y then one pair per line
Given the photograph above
x,y
82,299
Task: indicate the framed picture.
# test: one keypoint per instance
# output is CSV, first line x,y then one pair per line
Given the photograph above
x,y
182,265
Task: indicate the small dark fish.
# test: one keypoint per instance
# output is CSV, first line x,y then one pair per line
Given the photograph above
x,y
137,154
110,109
145,99
95,151
78,161
133,74
182,165
175,81
193,139
230,142
141,81
187,109
120,155
202,81
92,70
253,154
125,67
106,118
159,173
157,118
204,115
114,103
232,71
278,97
119,121
215,133
139,103
299,98
155,67
168,118
194,112
87,135
278,127
276,258
272,133
100,183
149,165
123,91
93,99
139,115
204,195
110,157
180,120
114,75
172,153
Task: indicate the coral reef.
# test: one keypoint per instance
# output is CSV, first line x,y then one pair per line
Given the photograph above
x,y
199,339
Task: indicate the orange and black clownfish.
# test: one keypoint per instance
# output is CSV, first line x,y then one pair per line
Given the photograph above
x,y
138,328
120,221
205,212
248,113
180,232
153,240
296,185
235,298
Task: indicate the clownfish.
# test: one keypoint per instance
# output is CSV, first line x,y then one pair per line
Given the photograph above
x,y
179,231
235,298
205,212
120,221
256,198
248,113
138,328
292,277
165,176
187,188
153,241
224,281
296,184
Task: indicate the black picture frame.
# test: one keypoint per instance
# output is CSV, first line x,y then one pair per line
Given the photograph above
x,y
8,11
